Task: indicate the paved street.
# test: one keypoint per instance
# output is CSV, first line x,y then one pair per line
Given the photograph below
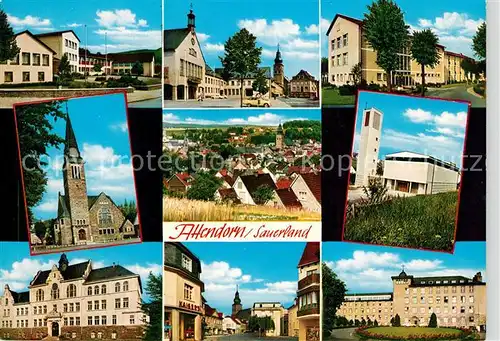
x,y
235,103
458,92
248,337
343,334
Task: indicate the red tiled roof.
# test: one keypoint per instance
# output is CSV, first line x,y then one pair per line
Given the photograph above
x,y
223,172
299,169
283,183
228,179
184,177
288,198
313,181
310,254
229,193
249,156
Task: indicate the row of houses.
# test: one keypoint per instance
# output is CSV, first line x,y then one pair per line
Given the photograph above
x,y
40,55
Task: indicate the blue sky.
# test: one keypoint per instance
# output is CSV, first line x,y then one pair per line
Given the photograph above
x,y
17,268
291,23
455,22
420,125
264,272
239,116
129,24
367,268
101,131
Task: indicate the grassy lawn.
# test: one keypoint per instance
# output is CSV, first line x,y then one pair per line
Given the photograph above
x,y
404,332
423,221
152,81
332,97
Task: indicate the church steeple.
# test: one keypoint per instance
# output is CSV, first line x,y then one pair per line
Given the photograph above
x,y
278,59
279,69
191,19
236,303
71,149
237,299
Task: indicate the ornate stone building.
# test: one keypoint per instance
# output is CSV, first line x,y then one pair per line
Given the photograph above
x,y
457,301
76,302
81,218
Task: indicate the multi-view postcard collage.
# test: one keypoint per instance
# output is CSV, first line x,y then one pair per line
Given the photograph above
x,y
238,170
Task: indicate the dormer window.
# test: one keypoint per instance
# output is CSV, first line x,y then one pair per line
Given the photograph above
x,y
187,263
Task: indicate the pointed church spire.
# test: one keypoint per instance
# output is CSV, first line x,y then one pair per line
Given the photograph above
x,y
71,146
278,59
191,18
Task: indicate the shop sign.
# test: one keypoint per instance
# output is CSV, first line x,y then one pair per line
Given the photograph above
x,y
190,306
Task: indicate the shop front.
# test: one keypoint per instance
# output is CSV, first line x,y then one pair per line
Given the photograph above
x,y
183,323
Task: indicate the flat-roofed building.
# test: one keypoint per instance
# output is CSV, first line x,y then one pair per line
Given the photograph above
x,y
369,306
122,63
33,64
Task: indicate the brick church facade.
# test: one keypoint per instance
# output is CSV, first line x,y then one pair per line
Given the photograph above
x,y
82,218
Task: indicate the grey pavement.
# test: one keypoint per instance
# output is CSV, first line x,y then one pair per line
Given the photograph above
x,y
235,103
343,334
248,337
458,92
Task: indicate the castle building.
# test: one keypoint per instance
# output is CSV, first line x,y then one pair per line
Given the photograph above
x,y
279,137
369,146
308,290
182,293
76,302
348,47
457,301
83,219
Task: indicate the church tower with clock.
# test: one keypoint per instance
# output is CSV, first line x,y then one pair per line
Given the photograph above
x,y
279,69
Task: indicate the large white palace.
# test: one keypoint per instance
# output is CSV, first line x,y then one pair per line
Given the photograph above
x,y
75,302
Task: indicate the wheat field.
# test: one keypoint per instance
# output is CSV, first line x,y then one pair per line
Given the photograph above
x,y
175,209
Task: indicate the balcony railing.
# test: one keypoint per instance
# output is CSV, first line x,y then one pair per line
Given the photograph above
x,y
307,281
308,309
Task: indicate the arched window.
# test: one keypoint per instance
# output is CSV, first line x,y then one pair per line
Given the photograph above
x,y
71,291
96,290
89,291
105,216
39,295
54,293
82,235
125,286
103,289
117,287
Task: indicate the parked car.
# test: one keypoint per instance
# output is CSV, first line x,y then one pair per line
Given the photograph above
x,y
257,102
219,96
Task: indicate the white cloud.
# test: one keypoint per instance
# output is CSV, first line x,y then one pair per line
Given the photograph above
x,y
364,260
202,37
209,47
48,206
119,18
144,270
123,37
325,25
450,119
74,25
312,29
28,21
169,117
418,115
271,33
298,43
222,273
123,127
96,153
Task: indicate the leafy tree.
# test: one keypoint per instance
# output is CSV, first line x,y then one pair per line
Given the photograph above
x,y
260,84
324,67
129,210
375,192
36,135
241,57
424,51
380,168
204,186
433,321
262,194
64,67
334,290
97,68
363,322
137,69
153,308
392,321
397,321
351,323
8,45
479,41
227,150
369,322
375,323
387,33
470,67
357,73
357,323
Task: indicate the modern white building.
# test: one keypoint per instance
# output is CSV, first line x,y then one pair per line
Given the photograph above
x,y
33,64
419,174
369,144
64,42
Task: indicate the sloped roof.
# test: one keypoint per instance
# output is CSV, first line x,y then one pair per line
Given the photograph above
x,y
244,314
35,38
229,194
62,209
283,183
310,254
72,272
21,297
313,181
252,182
265,69
353,20
288,198
303,74
173,38
57,33
109,272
